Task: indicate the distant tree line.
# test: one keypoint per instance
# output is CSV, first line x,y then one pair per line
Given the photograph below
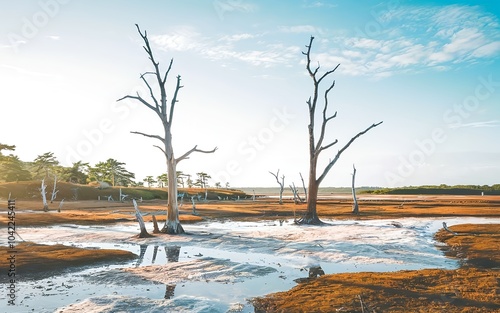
x,y
441,190
111,171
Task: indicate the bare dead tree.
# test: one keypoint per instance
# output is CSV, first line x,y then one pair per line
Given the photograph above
x,y
156,230
60,205
144,233
281,183
355,207
296,197
165,112
44,196
54,191
318,146
303,186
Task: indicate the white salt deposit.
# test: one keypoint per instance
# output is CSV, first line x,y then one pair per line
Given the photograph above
x,y
218,266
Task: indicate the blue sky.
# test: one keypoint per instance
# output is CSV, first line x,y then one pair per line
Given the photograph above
x,y
428,69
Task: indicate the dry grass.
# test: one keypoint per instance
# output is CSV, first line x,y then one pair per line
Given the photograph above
x,y
37,260
468,289
473,288
477,245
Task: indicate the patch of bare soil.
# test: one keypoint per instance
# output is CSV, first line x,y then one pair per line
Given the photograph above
x,y
37,261
89,212
475,287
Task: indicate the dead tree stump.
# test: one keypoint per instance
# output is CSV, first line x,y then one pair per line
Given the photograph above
x,y
144,233
156,230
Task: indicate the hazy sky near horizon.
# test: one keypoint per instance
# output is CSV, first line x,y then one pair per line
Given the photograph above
x,y
430,70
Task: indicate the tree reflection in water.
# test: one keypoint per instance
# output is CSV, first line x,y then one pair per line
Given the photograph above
x,y
173,253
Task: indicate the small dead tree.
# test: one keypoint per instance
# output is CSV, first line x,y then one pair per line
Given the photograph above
x,y
303,186
156,230
165,112
316,146
355,207
44,197
281,183
54,191
296,197
194,206
144,233
60,205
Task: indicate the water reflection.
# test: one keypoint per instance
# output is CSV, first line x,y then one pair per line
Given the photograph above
x,y
314,272
170,290
155,252
173,253
144,248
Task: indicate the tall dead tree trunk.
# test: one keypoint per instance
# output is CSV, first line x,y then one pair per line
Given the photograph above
x,y
280,183
355,207
317,146
166,114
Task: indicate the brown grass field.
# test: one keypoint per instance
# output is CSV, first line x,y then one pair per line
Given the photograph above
x,y
475,287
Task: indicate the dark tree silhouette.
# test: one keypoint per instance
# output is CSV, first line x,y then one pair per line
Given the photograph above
x,y
318,146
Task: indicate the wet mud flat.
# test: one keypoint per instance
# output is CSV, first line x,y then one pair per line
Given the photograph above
x,y
220,266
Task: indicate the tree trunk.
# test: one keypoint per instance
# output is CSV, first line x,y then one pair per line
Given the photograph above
x,y
355,207
311,217
144,233
156,230
44,198
172,224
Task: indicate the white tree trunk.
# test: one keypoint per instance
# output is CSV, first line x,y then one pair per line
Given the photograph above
x,y
44,198
172,224
280,183
355,207
54,191
303,186
60,205
144,233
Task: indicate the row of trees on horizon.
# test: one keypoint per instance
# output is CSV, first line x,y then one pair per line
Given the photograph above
x,y
111,171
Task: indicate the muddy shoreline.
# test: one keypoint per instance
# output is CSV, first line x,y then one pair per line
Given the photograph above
x,y
343,291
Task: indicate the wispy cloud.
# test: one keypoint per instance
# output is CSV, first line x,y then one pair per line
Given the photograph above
x,y
318,4
412,39
238,37
182,39
223,7
493,123
418,38
223,48
310,29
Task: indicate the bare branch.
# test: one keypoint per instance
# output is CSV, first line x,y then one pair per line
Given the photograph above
x,y
328,73
157,74
167,71
139,98
328,145
332,162
162,150
194,149
150,90
277,178
174,99
325,121
150,136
